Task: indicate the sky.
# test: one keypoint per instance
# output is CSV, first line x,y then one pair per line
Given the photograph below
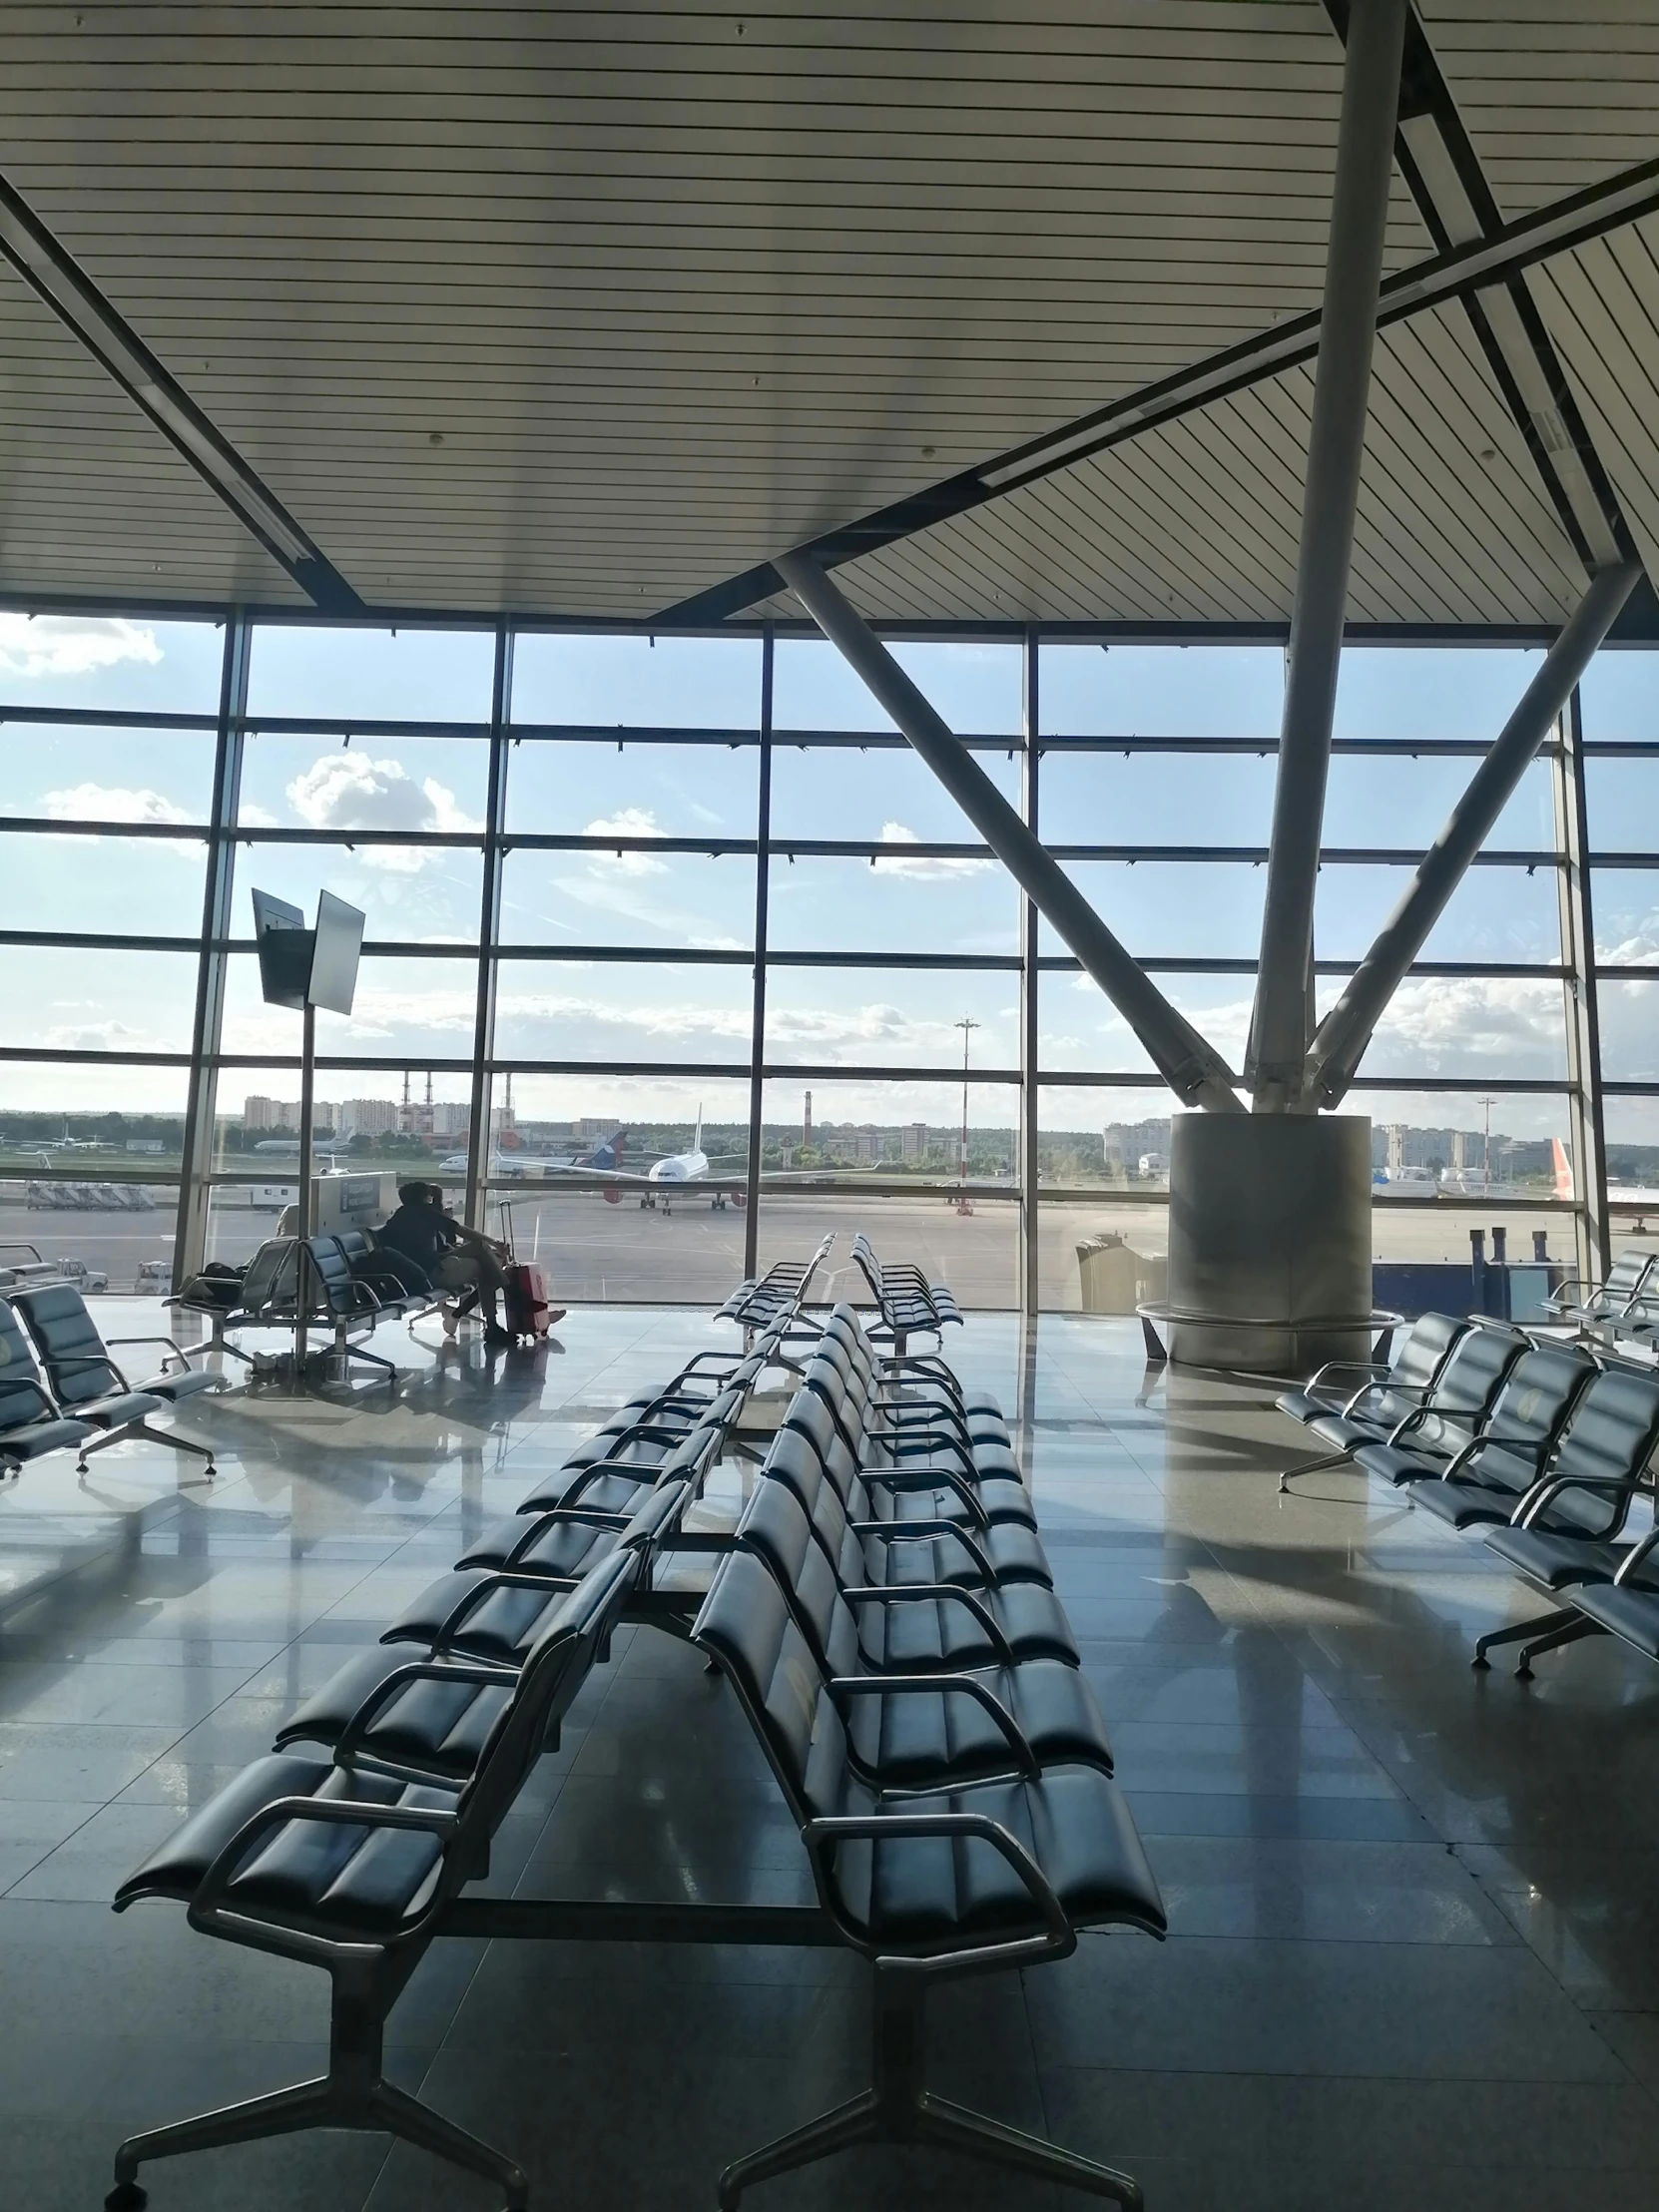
x,y
700,1011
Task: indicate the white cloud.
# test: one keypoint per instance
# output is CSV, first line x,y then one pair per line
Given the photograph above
x,y
111,802
921,867
626,821
577,1023
95,1036
353,791
1639,949
72,644
604,891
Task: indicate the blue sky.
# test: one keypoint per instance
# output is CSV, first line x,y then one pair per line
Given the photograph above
x,y
423,1007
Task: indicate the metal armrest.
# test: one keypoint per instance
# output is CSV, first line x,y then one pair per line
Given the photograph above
x,y
940,1593
865,1685
172,1344
1545,1491
84,1359
1343,1366
494,1578
206,1907
928,1479
891,1531
481,1675
833,1828
1637,1556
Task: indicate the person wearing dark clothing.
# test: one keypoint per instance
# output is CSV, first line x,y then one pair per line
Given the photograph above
x,y
450,1254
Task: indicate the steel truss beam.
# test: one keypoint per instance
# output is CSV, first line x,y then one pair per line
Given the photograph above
x,y
64,286
1456,273
1443,170
1193,1068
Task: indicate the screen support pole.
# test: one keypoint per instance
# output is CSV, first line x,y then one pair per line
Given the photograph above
x,y
302,1209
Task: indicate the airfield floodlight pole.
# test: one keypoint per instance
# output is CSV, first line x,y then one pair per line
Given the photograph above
x,y
967,1026
1336,447
1192,1067
1343,1036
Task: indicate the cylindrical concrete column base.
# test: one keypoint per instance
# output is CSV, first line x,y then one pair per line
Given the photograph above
x,y
1268,1241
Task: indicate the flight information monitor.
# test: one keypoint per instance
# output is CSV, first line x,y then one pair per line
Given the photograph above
x,y
339,942
284,950
301,967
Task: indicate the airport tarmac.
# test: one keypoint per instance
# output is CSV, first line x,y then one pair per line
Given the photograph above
x,y
693,1252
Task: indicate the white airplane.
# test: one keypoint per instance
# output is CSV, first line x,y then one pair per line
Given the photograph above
x,y
67,1143
534,1164
604,1167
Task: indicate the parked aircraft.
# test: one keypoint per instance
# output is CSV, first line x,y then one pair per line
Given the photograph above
x,y
605,1155
605,1168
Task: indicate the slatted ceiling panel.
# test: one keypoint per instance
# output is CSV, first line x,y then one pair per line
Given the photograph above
x,y
673,299
1198,521
1601,306
1556,94
69,435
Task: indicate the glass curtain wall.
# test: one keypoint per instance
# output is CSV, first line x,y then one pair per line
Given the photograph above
x,y
572,848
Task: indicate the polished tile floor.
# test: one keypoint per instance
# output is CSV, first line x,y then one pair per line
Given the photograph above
x,y
1414,1912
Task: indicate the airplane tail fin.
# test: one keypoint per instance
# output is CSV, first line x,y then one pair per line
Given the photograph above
x,y
1563,1167
608,1154
697,1133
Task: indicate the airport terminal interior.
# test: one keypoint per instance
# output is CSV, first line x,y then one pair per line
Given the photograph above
x,y
830,1106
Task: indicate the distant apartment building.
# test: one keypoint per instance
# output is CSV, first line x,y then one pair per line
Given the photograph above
x,y
912,1141
368,1117
281,1116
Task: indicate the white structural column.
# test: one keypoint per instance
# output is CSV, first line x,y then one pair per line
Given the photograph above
x,y
1585,1117
189,1244
757,1021
1192,1069
1029,1055
1342,391
479,1149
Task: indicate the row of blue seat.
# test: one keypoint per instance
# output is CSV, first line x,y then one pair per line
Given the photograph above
x,y
1544,1447
60,1388
885,1616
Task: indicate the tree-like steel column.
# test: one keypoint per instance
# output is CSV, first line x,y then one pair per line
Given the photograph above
x,y
1593,1230
489,933
190,1241
1342,389
758,1031
1192,1069
1345,1031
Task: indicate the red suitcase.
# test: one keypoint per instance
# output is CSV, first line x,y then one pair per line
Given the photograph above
x,y
526,1303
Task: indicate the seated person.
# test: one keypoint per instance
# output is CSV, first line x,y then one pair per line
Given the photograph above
x,y
453,1257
